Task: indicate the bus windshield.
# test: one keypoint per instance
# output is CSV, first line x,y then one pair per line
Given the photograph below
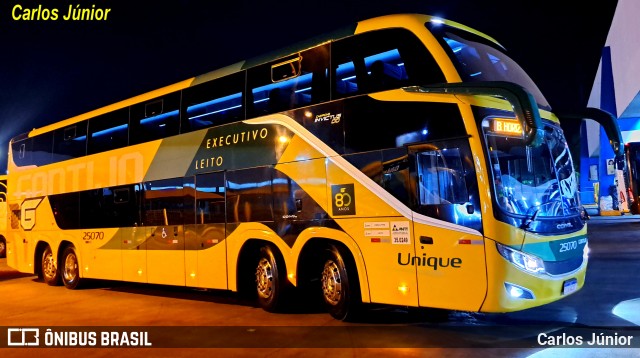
x,y
532,180
478,60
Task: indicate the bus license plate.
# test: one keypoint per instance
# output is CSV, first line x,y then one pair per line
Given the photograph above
x,y
569,286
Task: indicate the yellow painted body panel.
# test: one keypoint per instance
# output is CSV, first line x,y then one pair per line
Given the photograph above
x,y
134,253
206,268
117,167
451,270
385,276
165,255
94,261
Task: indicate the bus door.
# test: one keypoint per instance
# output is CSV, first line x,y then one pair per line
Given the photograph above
x,y
205,245
163,218
449,247
19,238
133,235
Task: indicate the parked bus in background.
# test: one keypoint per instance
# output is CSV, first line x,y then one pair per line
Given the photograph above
x,y
632,156
3,215
405,160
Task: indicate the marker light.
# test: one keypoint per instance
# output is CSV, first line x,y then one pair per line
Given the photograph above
x,y
404,289
585,252
525,262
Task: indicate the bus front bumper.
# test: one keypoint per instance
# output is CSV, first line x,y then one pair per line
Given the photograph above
x,y
512,289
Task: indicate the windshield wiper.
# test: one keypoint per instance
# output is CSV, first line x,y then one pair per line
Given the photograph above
x,y
529,220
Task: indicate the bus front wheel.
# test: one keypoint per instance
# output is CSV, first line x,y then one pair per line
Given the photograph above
x,y
70,272
339,285
270,280
50,272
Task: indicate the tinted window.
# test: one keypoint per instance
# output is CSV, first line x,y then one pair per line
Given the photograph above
x,y
290,82
41,149
441,179
388,168
398,123
109,131
249,195
478,59
70,142
163,202
66,210
109,207
380,60
155,119
210,193
21,151
445,182
212,103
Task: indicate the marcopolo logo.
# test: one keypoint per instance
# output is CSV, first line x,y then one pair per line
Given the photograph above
x,y
343,199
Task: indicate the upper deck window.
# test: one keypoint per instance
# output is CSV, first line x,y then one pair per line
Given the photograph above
x,y
212,103
381,60
155,119
291,82
479,60
108,131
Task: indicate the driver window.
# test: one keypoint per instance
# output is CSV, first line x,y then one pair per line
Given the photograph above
x,y
446,186
441,178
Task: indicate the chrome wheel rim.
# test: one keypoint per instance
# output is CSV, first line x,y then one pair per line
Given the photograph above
x,y
331,283
70,268
48,266
264,278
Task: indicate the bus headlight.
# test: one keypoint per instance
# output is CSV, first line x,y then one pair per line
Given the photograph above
x,y
526,262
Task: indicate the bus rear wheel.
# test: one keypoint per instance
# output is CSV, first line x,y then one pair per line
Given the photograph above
x,y
70,268
270,280
3,247
50,272
339,286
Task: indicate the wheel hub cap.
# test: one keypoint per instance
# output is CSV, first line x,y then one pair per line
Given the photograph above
x,y
264,278
70,268
331,283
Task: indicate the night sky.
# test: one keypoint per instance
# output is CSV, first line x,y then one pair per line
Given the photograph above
x,y
52,70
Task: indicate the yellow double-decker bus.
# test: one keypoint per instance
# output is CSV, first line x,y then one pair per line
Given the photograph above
x,y
405,160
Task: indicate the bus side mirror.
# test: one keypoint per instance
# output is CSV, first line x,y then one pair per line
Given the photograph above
x,y
524,105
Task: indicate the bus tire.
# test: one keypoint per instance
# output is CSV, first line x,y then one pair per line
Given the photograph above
x,y
270,281
340,288
50,272
70,272
3,247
